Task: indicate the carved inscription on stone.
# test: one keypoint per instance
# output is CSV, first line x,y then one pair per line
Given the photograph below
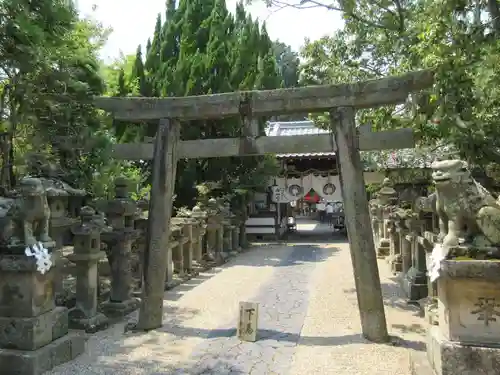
x,y
247,324
486,310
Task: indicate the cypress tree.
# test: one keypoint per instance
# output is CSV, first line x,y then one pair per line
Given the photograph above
x,y
169,51
201,48
139,74
268,76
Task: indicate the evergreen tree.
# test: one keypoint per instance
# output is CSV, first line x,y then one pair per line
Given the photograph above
x,y
201,48
153,60
139,74
268,77
288,64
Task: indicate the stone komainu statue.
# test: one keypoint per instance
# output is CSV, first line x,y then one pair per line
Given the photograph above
x,y
24,220
464,207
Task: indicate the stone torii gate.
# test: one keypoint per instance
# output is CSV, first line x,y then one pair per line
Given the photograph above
x,y
340,100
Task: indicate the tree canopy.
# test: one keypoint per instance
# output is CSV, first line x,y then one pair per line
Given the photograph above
x,y
199,47
50,70
458,39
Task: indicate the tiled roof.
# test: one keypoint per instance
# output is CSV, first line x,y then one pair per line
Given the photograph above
x,y
307,155
286,128
290,128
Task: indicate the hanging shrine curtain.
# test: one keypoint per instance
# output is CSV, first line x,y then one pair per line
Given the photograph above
x,y
291,189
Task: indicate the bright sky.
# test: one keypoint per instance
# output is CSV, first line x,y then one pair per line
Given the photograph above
x,y
133,22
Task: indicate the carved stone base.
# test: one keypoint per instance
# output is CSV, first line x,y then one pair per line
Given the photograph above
x,y
383,248
93,324
33,333
395,263
222,257
452,358
120,309
208,257
37,362
176,281
233,253
200,266
414,284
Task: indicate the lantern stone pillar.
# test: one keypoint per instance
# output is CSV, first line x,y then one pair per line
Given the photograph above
x,y
121,212
200,230
86,255
386,200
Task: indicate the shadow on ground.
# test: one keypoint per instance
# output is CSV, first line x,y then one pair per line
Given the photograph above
x,y
121,348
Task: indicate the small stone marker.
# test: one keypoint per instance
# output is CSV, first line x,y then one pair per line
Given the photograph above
x,y
247,323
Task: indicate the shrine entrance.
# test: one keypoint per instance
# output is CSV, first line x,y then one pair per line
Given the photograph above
x,y
346,139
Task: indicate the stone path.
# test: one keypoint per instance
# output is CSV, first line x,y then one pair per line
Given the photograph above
x,y
308,321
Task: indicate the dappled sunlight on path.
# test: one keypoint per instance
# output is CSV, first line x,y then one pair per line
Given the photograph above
x,y
308,320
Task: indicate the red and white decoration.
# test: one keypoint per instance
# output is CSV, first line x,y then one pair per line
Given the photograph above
x,y
292,189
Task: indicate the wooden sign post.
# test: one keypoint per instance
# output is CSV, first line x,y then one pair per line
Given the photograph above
x,y
248,321
340,100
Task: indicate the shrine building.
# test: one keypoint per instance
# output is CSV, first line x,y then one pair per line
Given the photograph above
x,y
303,180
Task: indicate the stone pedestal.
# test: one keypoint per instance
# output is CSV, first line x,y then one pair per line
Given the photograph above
x,y
176,244
199,232
394,259
187,243
235,233
466,339
405,251
34,335
138,249
383,207
243,234
187,248
197,244
214,241
415,280
383,248
87,253
228,238
376,230
60,224
446,357
120,301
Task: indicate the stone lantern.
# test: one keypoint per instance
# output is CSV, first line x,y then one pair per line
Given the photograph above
x,y
121,213
199,232
87,253
386,201
215,234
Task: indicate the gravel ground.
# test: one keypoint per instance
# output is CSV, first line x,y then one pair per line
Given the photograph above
x,y
308,322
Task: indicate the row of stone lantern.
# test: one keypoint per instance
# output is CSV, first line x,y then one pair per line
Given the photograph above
x,y
30,282
198,238
404,237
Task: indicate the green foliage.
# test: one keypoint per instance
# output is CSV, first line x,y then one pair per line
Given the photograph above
x,y
49,73
458,39
199,47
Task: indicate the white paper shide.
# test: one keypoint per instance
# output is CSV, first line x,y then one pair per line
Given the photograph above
x,y
439,253
42,256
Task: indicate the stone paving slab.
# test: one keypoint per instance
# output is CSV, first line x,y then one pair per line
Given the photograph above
x,y
192,311
308,322
331,340
283,303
